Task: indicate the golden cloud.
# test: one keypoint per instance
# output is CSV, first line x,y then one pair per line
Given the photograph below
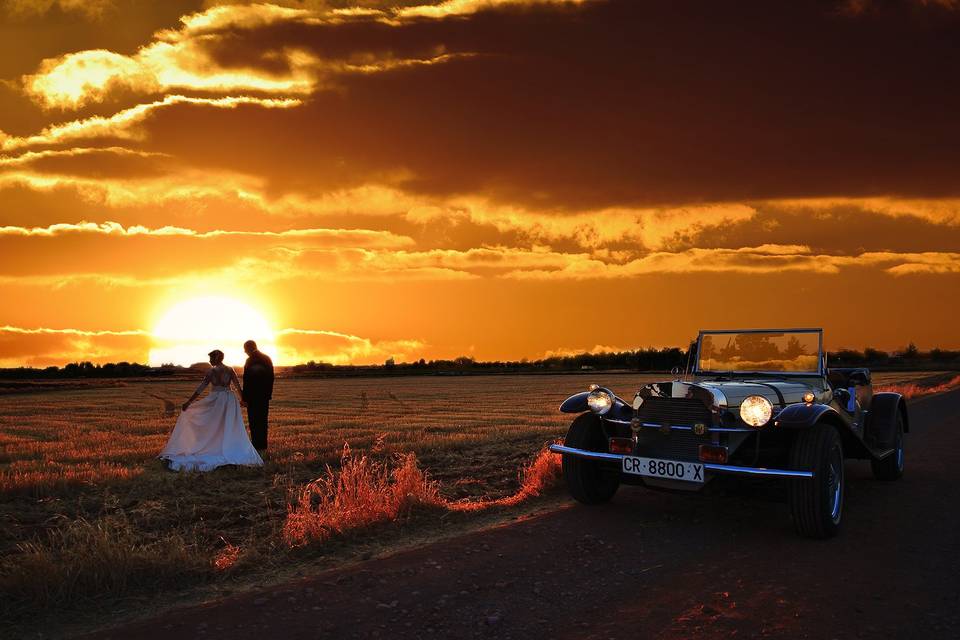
x,y
44,331
174,194
125,124
621,230
466,7
347,255
110,255
944,211
747,260
262,48
642,227
303,345
917,263
393,11
182,59
173,61
637,229
362,265
568,352
89,164
76,79
351,237
29,158
42,346
343,265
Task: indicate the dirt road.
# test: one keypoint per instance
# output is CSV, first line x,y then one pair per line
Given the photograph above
x,y
650,565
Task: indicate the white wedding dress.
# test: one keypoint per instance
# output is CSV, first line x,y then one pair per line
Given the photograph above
x,y
210,433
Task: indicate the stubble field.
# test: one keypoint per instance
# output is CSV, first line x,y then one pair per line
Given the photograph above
x,y
91,523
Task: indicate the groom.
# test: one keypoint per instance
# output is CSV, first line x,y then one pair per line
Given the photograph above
x,y
257,391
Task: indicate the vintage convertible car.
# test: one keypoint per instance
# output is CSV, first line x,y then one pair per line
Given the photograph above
x,y
755,403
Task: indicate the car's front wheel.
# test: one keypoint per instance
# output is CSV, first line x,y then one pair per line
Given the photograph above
x,y
816,504
586,480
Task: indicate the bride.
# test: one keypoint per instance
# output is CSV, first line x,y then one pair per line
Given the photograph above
x,y
210,433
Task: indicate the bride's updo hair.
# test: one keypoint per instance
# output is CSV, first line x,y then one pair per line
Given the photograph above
x,y
216,356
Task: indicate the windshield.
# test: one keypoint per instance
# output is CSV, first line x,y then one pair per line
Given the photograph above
x,y
760,351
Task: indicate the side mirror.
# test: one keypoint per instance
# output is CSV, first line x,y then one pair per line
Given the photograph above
x,y
846,398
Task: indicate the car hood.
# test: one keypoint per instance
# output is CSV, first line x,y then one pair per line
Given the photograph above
x,y
778,392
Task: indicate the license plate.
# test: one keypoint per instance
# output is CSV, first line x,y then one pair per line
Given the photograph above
x,y
657,468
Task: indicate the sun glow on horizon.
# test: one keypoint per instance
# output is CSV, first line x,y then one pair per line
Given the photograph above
x,y
189,330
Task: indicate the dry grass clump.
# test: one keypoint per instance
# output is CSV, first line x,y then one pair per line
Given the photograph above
x,y
362,493
366,492
93,563
542,474
227,557
914,390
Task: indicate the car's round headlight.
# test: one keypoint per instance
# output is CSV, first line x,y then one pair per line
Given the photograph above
x,y
600,401
756,411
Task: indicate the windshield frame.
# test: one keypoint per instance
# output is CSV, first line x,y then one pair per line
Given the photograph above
x,y
791,374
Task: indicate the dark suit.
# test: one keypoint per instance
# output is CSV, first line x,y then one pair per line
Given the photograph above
x,y
257,391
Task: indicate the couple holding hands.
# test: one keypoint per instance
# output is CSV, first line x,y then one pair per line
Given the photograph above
x,y
210,432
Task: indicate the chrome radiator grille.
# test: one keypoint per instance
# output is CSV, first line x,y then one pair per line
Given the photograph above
x,y
678,444
682,411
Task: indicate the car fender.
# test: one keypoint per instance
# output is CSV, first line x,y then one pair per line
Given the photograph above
x,y
801,415
882,419
577,403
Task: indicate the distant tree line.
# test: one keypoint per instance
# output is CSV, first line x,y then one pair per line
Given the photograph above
x,y
909,357
645,360
640,360
652,360
90,370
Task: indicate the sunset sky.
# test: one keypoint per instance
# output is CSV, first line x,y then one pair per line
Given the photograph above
x,y
354,180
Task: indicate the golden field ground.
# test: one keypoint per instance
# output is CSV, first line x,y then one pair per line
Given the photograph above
x,y
91,524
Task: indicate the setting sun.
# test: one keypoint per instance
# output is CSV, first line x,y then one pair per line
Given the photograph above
x,y
186,332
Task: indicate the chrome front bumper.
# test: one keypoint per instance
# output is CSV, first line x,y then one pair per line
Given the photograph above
x,y
709,466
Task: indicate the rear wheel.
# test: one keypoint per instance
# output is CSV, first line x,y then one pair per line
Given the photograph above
x,y
891,467
586,480
816,504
